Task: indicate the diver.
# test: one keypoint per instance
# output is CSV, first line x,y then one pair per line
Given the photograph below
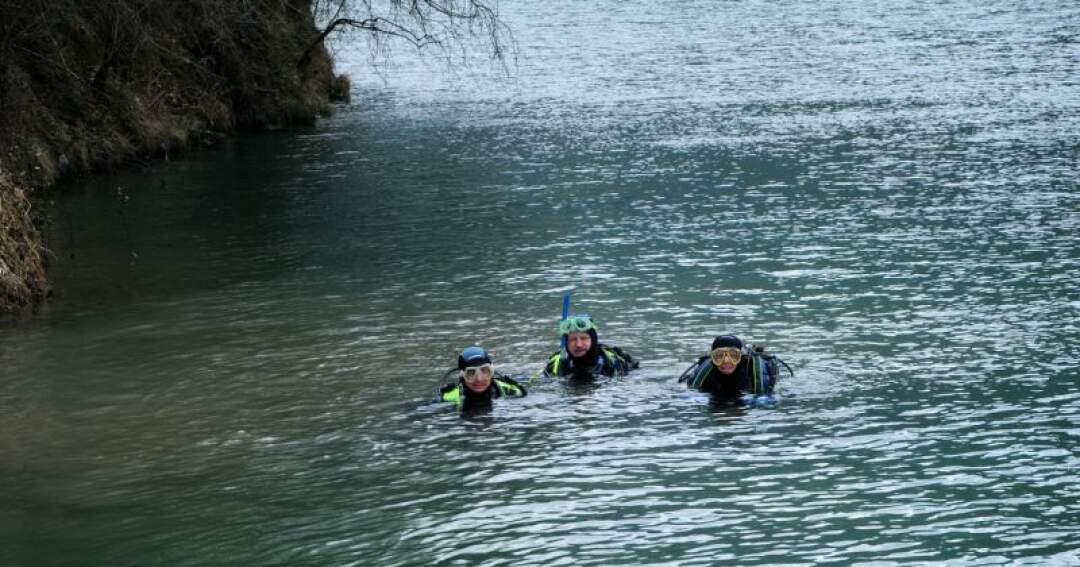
x,y
583,355
736,372
478,382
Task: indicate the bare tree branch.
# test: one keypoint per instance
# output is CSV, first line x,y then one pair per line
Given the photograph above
x,y
450,25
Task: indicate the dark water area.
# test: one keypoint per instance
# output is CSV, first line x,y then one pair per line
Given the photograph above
x,y
236,365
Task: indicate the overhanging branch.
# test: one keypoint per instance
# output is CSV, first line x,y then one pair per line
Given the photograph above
x,y
375,25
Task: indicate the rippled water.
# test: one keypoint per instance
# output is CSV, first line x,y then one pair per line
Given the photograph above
x,y
235,368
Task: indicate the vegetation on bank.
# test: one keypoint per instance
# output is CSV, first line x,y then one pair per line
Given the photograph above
x,y
89,84
22,266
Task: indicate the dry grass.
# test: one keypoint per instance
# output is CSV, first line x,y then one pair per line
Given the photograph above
x,y
22,257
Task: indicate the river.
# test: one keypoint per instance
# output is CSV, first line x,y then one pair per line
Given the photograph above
x,y
237,363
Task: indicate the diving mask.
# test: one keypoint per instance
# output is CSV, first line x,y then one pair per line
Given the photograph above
x,y
471,373
721,354
576,324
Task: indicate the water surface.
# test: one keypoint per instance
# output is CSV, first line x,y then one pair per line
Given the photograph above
x,y
236,364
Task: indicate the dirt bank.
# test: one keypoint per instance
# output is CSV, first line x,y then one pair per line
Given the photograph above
x,y
90,85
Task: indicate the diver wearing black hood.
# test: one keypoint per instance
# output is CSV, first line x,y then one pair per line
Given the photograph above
x,y
583,355
478,382
732,369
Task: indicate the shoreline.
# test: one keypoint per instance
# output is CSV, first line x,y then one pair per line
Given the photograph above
x,y
79,97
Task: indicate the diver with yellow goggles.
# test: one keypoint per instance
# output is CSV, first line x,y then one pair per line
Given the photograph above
x,y
583,356
478,383
735,371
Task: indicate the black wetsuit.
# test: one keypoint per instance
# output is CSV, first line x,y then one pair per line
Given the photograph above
x,y
600,360
500,386
755,374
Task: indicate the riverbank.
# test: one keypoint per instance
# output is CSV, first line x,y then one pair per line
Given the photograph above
x,y
92,86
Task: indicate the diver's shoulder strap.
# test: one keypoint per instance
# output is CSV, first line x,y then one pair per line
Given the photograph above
x,y
763,372
691,372
630,362
451,393
510,387
553,363
618,359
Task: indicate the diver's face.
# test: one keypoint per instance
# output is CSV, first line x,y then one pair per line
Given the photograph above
x,y
578,344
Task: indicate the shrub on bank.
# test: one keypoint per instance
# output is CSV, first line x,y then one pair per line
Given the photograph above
x,y
22,269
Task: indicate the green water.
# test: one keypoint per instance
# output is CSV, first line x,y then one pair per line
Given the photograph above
x,y
234,368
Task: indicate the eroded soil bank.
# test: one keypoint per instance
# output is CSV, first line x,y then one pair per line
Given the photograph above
x,y
90,85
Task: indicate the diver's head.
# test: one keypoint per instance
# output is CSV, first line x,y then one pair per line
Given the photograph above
x,y
476,370
726,353
580,333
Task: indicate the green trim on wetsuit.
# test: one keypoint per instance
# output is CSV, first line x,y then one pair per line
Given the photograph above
x,y
455,393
